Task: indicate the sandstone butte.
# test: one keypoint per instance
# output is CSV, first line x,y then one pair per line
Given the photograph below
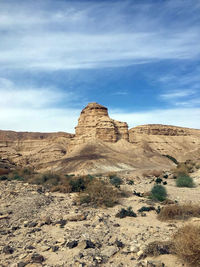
x,y
99,141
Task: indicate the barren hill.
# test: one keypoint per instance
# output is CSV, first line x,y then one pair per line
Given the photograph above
x,y
99,145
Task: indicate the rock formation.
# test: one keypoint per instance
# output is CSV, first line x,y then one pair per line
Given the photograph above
x,y
95,148
94,122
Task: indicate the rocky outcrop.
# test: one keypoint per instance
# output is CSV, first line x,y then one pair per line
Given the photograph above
x,y
159,129
179,142
94,122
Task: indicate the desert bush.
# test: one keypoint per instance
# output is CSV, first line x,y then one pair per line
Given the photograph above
x,y
179,212
143,209
63,188
116,181
187,244
184,180
79,184
99,193
158,193
126,213
164,183
157,248
48,179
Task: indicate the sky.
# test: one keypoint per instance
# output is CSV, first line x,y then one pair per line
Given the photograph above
x,y
139,58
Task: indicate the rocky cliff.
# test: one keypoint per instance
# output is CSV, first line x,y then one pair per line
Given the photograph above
x,y
182,143
94,122
99,144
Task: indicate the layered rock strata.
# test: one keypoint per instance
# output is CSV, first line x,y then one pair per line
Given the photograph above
x,y
94,122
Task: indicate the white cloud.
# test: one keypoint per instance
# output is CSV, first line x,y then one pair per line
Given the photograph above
x,y
13,96
73,37
177,94
185,117
36,109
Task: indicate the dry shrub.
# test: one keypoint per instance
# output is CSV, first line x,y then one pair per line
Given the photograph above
x,y
187,244
179,212
157,248
63,188
184,168
100,193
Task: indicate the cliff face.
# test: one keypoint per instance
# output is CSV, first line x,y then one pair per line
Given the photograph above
x,y
100,143
159,129
182,143
94,122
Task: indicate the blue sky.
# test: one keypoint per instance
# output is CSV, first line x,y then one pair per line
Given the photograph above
x,y
140,58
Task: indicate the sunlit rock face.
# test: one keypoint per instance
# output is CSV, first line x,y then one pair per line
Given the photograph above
x,y
94,122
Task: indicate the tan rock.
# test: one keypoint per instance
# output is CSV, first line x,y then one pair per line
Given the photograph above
x,y
94,122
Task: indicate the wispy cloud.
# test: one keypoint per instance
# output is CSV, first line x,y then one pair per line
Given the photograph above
x,y
73,37
185,117
36,109
174,95
13,96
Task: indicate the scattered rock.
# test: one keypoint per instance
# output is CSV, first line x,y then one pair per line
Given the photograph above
x,y
72,244
8,250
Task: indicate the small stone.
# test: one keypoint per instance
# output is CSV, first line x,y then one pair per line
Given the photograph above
x,y
140,253
89,244
75,217
21,264
119,243
8,250
155,263
109,251
72,244
55,248
32,224
134,249
37,258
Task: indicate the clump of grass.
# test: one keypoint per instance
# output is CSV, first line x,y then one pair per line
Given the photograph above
x,y
184,181
187,244
179,212
158,193
126,213
99,193
116,181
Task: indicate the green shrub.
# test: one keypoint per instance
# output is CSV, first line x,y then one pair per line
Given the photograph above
x,y
126,213
116,181
17,177
142,209
184,181
158,192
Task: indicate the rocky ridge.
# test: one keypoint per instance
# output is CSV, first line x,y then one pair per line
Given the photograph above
x,y
108,139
